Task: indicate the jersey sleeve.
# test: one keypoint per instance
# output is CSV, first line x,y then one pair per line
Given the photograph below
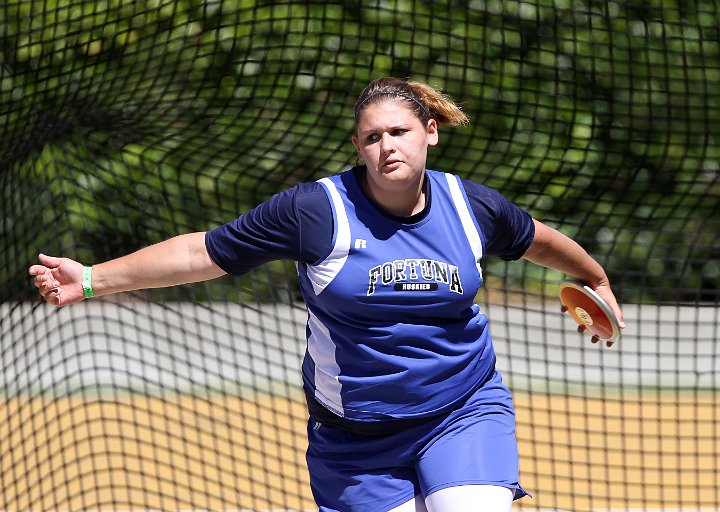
x,y
508,230
294,225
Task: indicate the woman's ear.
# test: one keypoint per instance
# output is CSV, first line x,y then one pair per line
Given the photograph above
x,y
432,133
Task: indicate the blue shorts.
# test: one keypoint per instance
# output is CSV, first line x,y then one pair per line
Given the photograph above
x,y
474,444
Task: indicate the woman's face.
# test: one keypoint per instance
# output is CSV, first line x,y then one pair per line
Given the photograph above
x,y
393,142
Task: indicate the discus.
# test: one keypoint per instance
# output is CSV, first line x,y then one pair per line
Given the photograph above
x,y
590,311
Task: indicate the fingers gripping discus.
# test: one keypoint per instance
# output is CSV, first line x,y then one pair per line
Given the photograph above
x,y
589,310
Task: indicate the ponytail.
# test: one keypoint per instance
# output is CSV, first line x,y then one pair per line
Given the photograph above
x,y
440,106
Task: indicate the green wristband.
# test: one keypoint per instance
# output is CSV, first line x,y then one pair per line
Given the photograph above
x,y
87,282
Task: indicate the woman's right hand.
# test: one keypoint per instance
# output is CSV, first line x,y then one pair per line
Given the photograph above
x,y
59,280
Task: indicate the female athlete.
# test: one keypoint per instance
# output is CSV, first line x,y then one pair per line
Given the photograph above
x,y
407,410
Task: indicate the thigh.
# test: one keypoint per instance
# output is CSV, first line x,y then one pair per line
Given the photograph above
x,y
471,498
475,445
417,504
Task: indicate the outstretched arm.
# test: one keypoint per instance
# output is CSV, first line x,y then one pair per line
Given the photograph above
x,y
552,249
179,260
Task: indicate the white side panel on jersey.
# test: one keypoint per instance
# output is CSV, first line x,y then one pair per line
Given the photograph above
x,y
322,274
463,210
327,371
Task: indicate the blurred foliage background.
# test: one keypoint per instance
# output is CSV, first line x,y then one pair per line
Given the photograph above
x,y
124,122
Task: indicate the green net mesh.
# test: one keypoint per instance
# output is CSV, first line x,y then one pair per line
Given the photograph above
x,y
124,122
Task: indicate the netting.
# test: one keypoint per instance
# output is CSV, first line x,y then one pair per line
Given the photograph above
x,y
124,122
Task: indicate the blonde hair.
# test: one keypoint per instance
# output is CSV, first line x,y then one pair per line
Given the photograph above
x,y
423,100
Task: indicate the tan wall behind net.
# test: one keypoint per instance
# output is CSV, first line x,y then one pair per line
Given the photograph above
x,y
184,452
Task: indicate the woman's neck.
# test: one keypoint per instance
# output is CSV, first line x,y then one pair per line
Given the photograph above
x,y
405,203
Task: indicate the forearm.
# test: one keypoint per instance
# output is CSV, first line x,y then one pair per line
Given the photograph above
x,y
179,260
552,249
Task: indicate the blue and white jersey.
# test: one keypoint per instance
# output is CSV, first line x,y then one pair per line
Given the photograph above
x,y
393,331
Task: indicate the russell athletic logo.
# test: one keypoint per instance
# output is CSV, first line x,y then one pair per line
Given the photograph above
x,y
415,275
